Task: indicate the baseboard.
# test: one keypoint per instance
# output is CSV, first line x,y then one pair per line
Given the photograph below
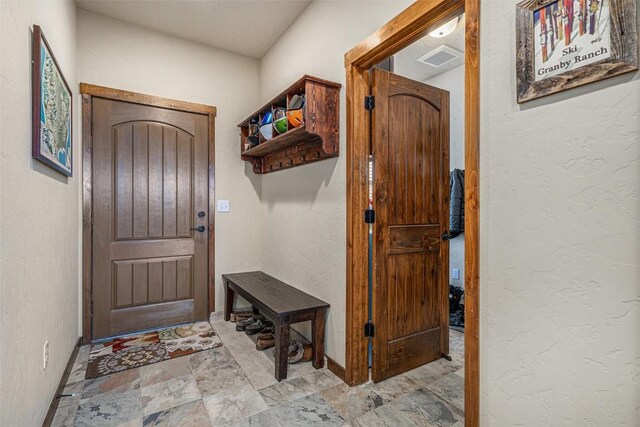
x,y
53,407
336,368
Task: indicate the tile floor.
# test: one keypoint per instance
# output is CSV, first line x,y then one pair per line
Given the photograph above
x,y
234,385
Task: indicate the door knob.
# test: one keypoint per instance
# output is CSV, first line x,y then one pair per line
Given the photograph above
x,y
446,236
199,228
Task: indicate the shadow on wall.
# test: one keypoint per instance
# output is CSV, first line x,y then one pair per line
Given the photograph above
x,y
50,173
253,178
578,91
300,185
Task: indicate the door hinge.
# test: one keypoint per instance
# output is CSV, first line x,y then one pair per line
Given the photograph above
x,y
369,216
369,102
369,330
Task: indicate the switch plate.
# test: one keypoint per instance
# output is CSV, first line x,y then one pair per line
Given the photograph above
x,y
223,206
456,274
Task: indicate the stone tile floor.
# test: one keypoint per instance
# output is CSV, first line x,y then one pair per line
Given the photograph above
x,y
234,385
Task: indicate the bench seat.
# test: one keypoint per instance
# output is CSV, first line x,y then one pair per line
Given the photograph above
x,y
283,304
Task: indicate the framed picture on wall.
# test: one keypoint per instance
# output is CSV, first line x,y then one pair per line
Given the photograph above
x,y
52,120
563,44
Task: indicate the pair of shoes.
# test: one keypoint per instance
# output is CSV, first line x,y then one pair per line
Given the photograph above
x,y
298,352
239,316
242,324
266,339
304,353
258,326
292,351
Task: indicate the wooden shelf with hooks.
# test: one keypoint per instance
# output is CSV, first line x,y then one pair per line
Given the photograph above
x,y
316,139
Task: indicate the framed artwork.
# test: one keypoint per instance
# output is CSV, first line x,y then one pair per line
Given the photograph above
x,y
52,121
563,44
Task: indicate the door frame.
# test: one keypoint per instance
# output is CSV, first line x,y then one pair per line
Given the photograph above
x,y
88,92
406,28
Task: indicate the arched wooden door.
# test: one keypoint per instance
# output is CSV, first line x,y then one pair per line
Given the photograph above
x,y
150,217
410,145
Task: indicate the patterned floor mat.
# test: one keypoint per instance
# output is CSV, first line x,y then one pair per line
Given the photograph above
x,y
133,351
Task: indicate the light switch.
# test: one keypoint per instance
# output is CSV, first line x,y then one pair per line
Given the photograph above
x,y
455,273
223,206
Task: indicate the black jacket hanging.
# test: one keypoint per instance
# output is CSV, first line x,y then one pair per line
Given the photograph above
x,y
456,207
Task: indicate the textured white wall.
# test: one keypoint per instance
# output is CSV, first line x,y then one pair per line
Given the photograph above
x,y
560,248
40,218
116,54
304,233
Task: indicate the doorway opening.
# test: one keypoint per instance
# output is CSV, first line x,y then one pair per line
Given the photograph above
x,y
411,237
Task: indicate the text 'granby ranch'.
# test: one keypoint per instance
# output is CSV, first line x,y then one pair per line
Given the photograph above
x,y
564,65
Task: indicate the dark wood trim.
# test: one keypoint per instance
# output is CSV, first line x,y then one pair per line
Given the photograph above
x,y
87,217
212,213
398,33
140,98
89,91
337,369
53,406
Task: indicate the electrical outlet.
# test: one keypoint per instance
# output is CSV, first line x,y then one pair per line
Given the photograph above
x,y
45,355
223,206
456,274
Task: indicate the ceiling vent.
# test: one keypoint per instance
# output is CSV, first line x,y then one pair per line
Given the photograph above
x,y
440,56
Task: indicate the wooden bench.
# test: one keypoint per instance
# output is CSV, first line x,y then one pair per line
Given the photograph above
x,y
283,304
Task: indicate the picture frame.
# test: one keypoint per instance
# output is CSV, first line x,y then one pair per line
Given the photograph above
x,y
602,42
52,109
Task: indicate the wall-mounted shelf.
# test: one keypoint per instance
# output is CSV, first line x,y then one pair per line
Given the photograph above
x,y
316,139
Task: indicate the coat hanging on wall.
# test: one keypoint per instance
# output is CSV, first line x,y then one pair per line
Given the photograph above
x,y
456,206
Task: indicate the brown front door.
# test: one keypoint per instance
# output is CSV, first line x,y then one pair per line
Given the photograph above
x,y
410,144
150,190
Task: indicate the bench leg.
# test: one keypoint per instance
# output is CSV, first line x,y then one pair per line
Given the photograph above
x,y
282,350
317,327
228,304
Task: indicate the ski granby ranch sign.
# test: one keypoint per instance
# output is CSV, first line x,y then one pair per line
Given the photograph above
x,y
562,44
577,60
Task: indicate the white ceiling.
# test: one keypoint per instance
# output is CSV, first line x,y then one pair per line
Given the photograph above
x,y
248,27
406,62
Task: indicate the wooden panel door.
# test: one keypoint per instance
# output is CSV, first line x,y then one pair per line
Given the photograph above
x,y
150,182
410,144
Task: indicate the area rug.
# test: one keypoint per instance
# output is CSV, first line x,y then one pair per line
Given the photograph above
x,y
136,350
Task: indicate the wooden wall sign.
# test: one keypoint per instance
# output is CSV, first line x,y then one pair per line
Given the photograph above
x,y
563,44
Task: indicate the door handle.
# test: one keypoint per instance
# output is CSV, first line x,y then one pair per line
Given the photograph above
x,y
446,236
199,228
